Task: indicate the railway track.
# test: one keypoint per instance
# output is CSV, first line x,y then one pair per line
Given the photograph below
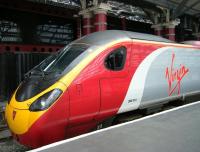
x,y
7,144
3,127
5,134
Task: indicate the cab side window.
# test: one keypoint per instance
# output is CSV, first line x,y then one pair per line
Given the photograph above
x,y
116,59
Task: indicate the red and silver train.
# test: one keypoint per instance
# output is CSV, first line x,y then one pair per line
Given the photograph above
x,y
98,77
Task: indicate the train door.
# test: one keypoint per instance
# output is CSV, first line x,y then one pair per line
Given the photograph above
x,y
114,83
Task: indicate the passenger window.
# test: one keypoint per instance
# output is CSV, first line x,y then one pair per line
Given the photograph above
x,y
116,59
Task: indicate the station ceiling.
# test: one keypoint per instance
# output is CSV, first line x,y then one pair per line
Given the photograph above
x,y
177,7
136,9
180,7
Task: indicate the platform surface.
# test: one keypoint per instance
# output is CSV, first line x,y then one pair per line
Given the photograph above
x,y
174,131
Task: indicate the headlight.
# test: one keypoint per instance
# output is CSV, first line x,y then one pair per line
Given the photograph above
x,y
46,100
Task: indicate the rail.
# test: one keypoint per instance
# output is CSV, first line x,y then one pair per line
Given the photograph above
x,y
5,134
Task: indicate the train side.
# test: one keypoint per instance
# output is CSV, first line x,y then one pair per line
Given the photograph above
x,y
168,73
152,74
112,77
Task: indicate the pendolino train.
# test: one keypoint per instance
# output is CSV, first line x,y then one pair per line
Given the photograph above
x,y
97,77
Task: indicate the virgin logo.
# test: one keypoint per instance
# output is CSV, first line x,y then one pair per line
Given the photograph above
x,y
14,114
174,76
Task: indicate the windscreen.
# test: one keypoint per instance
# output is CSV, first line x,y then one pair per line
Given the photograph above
x,y
50,70
58,62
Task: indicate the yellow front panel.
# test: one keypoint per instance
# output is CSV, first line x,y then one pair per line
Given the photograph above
x,y
19,123
24,118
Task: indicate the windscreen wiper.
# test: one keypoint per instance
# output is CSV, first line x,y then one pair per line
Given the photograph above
x,y
36,71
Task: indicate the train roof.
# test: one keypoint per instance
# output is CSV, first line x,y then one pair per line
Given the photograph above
x,y
192,42
101,38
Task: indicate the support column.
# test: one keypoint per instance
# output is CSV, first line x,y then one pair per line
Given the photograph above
x,y
170,30
100,20
157,29
87,23
78,26
3,82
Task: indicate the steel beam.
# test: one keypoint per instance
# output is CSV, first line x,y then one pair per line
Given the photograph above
x,y
187,8
179,8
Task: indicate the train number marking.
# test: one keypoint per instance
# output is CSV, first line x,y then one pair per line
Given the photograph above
x,y
174,76
132,100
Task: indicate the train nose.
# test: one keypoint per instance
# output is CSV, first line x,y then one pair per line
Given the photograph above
x,y
18,116
17,119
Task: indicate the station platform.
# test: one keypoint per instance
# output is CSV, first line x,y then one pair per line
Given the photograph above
x,y
175,130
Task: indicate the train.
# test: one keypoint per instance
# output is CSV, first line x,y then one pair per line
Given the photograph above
x,y
97,78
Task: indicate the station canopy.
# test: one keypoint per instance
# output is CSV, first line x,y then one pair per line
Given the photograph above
x,y
136,10
141,10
